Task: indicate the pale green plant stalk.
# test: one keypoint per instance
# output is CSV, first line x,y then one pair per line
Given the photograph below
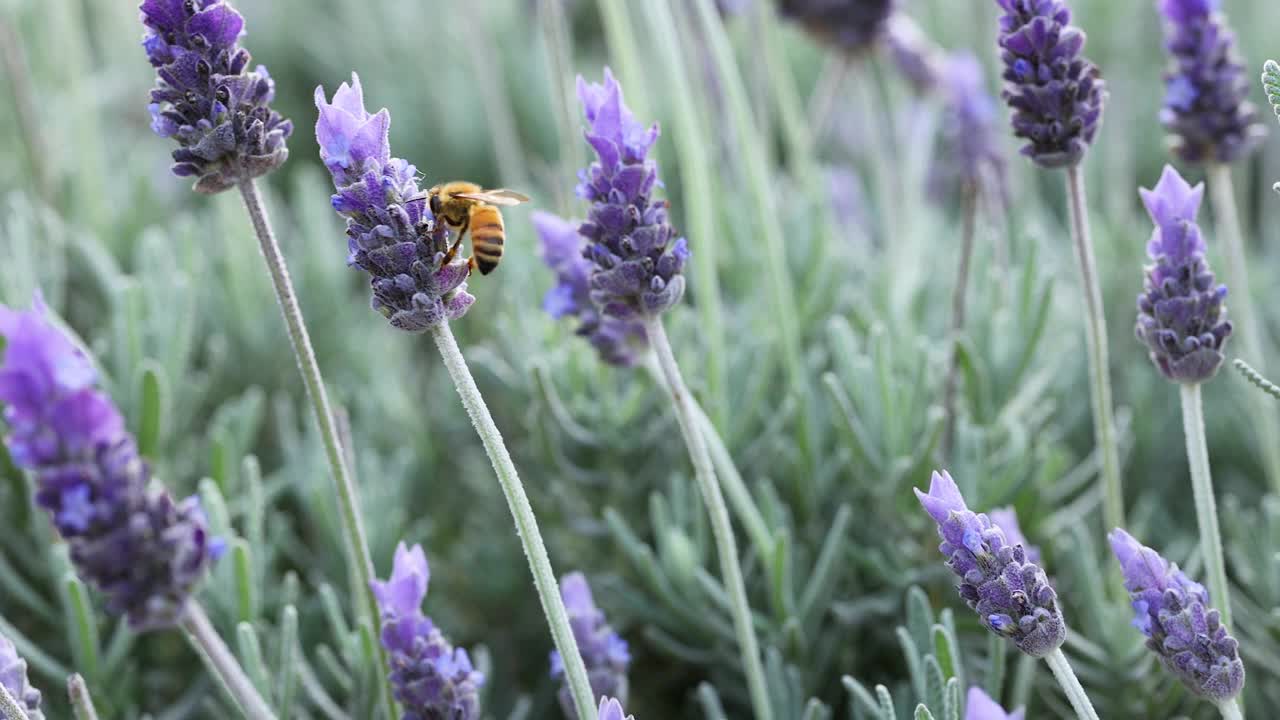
x,y
721,527
555,35
91,203
1057,662
970,212
1257,378
14,60
204,638
10,707
492,86
544,578
1230,710
620,36
1206,507
81,702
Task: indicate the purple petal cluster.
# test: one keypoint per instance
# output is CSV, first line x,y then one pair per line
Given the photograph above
x,y
980,706
206,97
391,233
1010,593
1056,93
854,26
1206,112
13,676
1181,315
128,538
611,709
1006,519
603,651
431,679
1173,611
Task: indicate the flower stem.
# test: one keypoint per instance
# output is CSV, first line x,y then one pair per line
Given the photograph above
x,y
721,527
544,578
1206,508
204,638
1252,333
1099,362
1070,685
970,210
1230,710
81,702
357,544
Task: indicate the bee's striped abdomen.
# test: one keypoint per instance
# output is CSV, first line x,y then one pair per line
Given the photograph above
x,y
487,237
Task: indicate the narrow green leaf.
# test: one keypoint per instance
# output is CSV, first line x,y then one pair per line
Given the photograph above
x,y
220,462
81,626
953,705
250,651
287,665
709,699
152,407
246,585
823,576
339,630
887,710
1271,84
861,695
1256,378
998,660
934,683
81,701
922,713
920,617
947,649
915,668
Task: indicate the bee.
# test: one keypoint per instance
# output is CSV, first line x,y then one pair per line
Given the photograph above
x,y
466,207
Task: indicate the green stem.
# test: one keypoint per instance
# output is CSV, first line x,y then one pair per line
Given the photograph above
x,y
555,35
544,578
721,527
1099,362
13,57
357,544
1206,507
970,211
621,38
1070,685
1252,333
205,639
1230,710
492,87
9,706
81,701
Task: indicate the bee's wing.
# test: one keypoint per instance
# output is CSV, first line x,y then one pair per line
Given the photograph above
x,y
500,196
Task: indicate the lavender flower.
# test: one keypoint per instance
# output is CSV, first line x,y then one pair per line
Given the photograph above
x,y
916,56
1173,611
968,125
1006,518
432,680
391,233
1181,316
1011,595
1205,110
206,98
1056,93
611,709
126,536
980,706
603,651
853,26
637,267
13,676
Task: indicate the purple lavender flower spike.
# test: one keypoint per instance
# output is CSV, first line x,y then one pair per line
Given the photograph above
x,y
1173,611
637,259
1056,93
980,706
604,652
1006,518
1206,110
391,233
1181,311
854,26
1010,593
431,679
968,126
13,676
611,709
206,97
915,54
128,538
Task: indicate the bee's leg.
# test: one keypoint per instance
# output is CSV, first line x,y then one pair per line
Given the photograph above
x,y
457,240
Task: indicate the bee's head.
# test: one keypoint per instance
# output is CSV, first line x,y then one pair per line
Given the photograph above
x,y
436,205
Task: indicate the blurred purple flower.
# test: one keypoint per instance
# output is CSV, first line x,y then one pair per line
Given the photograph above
x,y
611,709
604,652
971,154
854,26
13,676
915,54
1006,518
980,706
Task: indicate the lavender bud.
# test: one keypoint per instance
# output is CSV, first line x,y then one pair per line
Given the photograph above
x,y
1181,315
1056,93
430,678
1010,593
13,676
126,536
1205,109
391,233
604,652
611,709
980,706
207,99
854,26
1173,611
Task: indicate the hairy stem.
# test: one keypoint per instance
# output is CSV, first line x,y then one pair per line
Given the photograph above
x,y
1206,507
544,578
1230,710
81,701
1070,685
961,289
357,544
205,639
721,528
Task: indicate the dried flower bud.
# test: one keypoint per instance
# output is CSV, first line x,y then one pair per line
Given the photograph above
x,y
13,676
604,652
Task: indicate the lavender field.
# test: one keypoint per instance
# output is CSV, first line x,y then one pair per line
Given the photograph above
x,y
639,359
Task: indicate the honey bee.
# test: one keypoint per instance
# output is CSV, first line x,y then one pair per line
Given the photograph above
x,y
466,207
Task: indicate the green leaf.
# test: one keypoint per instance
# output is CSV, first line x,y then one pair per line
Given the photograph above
x,y
952,705
151,406
998,659
946,648
915,667
82,627
887,710
920,617
922,713
935,683
1271,84
246,586
250,651
1256,377
861,695
287,663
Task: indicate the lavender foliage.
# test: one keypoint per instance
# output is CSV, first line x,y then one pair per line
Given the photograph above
x,y
126,535
853,26
604,652
1173,611
207,99
13,676
391,234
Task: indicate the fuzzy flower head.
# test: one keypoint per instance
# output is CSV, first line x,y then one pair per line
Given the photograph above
x,y
126,536
391,234
1206,112
1010,593
980,706
431,679
13,676
611,709
1173,611
1056,93
206,97
604,652
854,26
1181,315
637,260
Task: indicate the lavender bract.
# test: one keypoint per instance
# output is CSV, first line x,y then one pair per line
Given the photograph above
x,y
604,652
207,99
432,680
1173,611
980,706
1181,315
1206,110
854,26
13,676
611,709
1011,595
391,233
126,536
1056,94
